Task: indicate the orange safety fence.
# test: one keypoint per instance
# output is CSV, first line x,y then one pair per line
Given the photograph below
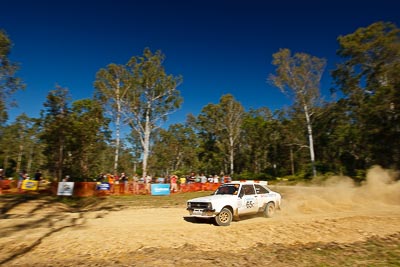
x,y
83,189
5,184
86,189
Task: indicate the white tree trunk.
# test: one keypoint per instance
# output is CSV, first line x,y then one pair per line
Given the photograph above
x,y
231,154
310,140
118,127
117,141
146,143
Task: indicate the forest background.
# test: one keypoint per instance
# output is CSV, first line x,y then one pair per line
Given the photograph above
x,y
120,129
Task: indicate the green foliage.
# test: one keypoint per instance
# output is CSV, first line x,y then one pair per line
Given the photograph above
x,y
369,80
357,131
9,83
254,176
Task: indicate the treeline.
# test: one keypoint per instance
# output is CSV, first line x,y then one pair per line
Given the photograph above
x,y
312,137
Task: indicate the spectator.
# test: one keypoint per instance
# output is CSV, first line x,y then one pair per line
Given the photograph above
x,y
123,180
191,178
110,178
174,184
1,180
216,179
21,177
203,178
148,183
227,179
182,183
38,176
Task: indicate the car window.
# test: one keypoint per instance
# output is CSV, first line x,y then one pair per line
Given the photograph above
x,y
248,189
227,189
261,189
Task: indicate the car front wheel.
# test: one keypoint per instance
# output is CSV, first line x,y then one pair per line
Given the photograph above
x,y
269,210
224,218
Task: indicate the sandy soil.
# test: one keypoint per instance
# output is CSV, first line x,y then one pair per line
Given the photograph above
x,y
42,234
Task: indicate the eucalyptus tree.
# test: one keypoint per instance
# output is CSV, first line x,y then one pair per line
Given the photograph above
x,y
19,145
224,121
255,139
369,78
55,119
113,86
28,144
8,148
9,83
175,149
87,143
300,75
154,97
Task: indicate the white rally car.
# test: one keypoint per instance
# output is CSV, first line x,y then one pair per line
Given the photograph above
x,y
234,199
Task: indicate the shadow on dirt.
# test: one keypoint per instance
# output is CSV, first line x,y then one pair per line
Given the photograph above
x,y
199,220
25,214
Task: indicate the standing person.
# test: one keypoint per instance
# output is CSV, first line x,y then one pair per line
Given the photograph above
x,y
182,183
1,181
123,180
203,181
191,178
227,178
148,180
216,179
135,184
21,177
203,178
37,176
174,183
111,182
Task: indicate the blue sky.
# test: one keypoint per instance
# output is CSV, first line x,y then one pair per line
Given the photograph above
x,y
218,46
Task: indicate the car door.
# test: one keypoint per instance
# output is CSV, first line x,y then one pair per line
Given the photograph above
x,y
248,201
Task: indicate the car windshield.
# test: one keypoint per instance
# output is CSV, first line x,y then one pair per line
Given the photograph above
x,y
227,189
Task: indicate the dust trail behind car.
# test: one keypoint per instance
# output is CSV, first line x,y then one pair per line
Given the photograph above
x,y
380,190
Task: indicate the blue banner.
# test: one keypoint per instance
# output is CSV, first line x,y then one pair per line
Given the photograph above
x,y
103,186
160,189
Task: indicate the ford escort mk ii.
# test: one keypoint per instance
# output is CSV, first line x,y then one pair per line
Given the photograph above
x,y
233,199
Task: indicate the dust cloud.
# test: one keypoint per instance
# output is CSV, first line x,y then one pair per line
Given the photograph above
x,y
381,190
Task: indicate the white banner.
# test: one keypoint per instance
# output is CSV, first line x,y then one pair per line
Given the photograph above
x,y
65,188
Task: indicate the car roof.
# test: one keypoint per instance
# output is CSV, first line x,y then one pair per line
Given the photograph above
x,y
249,182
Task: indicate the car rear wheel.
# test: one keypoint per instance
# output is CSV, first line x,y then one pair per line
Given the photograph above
x,y
269,210
224,218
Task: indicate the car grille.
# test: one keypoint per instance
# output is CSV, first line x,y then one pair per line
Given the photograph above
x,y
199,205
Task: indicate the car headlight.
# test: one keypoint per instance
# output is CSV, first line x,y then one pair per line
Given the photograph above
x,y
209,206
189,205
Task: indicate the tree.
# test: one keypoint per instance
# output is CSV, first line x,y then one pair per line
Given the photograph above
x,y
300,75
155,96
175,149
56,129
220,124
8,82
369,78
265,143
86,144
113,85
231,113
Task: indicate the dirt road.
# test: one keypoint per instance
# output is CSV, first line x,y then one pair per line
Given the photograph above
x,y
39,234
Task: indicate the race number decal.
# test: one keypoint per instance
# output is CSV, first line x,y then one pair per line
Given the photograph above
x,y
249,204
